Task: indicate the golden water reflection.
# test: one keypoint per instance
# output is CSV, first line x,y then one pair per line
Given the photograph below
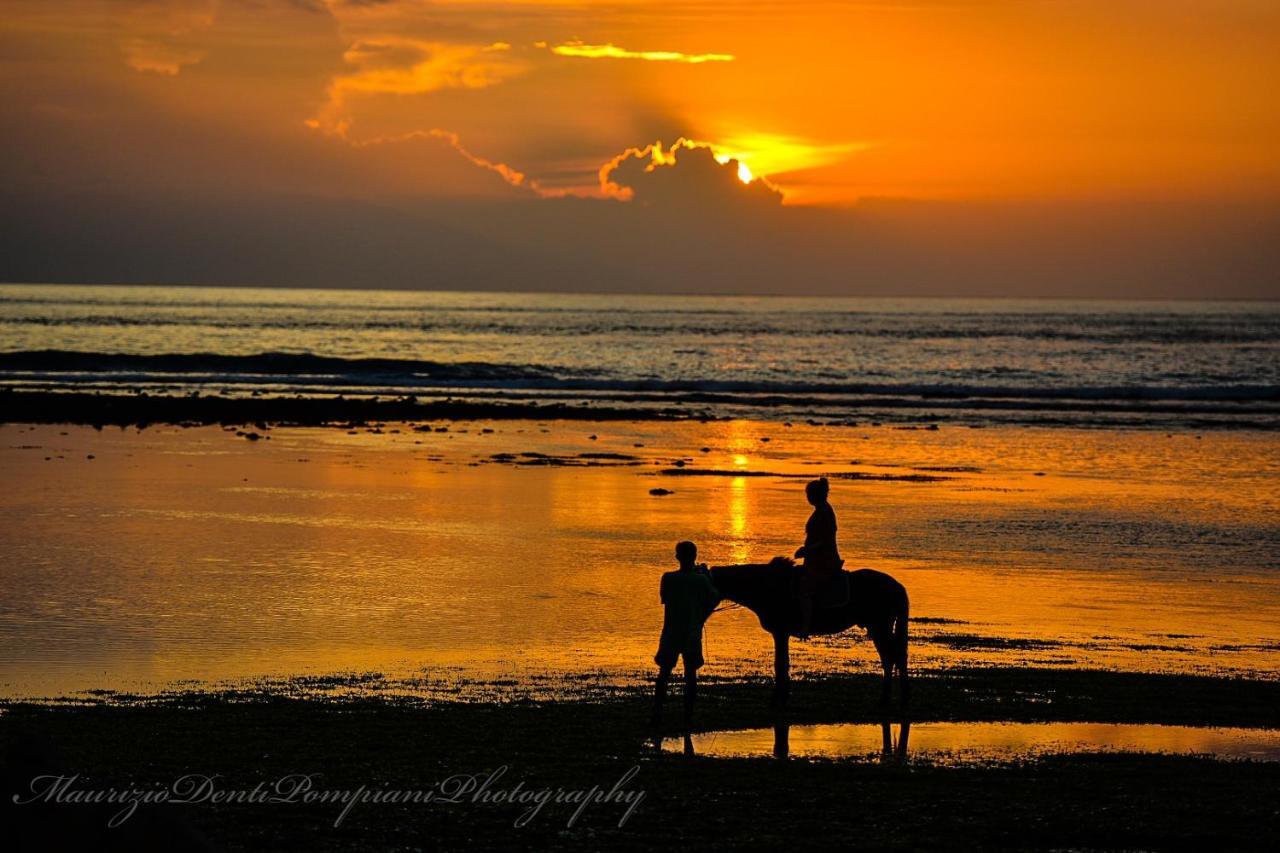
x,y
739,521
194,554
963,743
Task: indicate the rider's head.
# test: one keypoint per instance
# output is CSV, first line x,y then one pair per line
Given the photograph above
x,y
816,491
686,552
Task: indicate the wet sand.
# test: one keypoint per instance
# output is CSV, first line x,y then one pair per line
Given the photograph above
x,y
365,735
515,550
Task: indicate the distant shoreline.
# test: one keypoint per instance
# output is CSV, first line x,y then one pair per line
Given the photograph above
x,y
138,409
817,297
130,407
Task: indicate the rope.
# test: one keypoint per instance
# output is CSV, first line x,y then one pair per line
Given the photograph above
x,y
706,634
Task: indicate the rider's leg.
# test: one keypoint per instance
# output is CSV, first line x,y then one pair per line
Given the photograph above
x,y
806,614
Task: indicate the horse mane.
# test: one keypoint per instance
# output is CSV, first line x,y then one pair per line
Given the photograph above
x,y
753,584
775,563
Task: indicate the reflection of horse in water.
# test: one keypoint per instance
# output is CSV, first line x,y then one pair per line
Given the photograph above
x,y
891,750
873,601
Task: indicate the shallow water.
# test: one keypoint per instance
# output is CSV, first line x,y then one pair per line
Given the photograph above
x,y
969,743
195,554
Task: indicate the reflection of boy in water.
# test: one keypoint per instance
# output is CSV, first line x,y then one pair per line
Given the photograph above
x,y
689,597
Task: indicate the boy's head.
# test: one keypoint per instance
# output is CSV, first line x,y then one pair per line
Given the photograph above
x,y
686,552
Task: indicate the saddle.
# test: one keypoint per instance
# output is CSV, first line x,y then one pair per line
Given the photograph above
x,y
833,593
830,593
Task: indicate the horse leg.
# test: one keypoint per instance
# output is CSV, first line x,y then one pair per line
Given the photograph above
x,y
880,635
903,681
781,669
900,644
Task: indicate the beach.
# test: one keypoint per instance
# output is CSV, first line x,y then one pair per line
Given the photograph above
x,y
395,772
383,573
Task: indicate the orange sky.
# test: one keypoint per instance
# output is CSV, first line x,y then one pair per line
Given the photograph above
x,y
827,104
834,101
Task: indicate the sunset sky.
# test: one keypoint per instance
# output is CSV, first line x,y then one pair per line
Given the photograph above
x,y
918,146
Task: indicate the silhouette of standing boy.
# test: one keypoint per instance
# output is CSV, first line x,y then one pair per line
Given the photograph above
x,y
689,597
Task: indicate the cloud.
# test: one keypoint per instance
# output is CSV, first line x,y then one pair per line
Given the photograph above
x,y
612,51
398,65
160,38
688,173
514,177
158,57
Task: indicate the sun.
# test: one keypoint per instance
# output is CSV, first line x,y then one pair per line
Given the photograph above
x,y
744,173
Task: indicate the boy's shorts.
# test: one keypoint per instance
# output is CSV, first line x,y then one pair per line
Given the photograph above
x,y
666,658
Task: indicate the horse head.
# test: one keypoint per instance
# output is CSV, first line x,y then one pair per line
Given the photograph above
x,y
754,585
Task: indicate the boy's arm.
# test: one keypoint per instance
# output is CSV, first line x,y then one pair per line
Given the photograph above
x,y
713,597
662,589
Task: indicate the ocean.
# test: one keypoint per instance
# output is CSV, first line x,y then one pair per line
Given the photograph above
x,y
1166,365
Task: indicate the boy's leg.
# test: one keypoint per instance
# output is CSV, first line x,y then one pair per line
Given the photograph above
x,y
690,691
660,693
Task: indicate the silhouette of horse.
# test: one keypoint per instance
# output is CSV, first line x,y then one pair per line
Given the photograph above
x,y
876,602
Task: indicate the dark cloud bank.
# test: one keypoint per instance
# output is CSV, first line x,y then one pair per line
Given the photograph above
x,y
692,228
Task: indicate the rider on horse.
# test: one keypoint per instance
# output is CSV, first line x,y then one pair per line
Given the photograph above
x,y
821,556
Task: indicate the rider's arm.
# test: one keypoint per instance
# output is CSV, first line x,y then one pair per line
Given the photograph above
x,y
817,549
